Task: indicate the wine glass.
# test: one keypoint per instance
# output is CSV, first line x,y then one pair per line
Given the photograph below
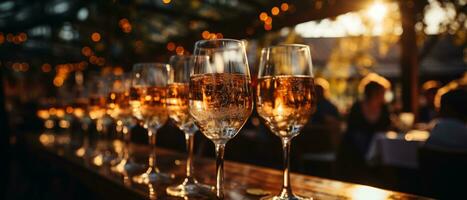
x,y
177,105
120,110
285,98
148,102
220,95
97,109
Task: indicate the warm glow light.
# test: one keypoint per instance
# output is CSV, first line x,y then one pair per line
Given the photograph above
x,y
166,1
43,114
417,135
171,46
391,135
377,11
95,37
46,67
86,51
275,10
267,27
268,21
2,38
284,6
263,16
366,192
219,36
205,35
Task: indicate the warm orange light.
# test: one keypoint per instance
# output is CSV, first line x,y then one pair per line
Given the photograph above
x,y
267,27
212,36
95,37
86,51
69,110
46,67
22,37
219,36
205,35
166,1
125,25
263,16
58,81
284,6
268,21
275,10
2,38
179,50
93,59
170,46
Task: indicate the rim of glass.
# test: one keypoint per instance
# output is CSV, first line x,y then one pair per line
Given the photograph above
x,y
151,64
286,46
222,40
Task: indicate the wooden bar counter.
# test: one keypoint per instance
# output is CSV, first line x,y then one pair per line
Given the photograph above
x,y
242,181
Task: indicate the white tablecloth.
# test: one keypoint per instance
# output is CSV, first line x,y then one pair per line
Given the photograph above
x,y
396,150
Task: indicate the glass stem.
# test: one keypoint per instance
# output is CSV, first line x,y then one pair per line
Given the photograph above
x,y
220,170
190,140
126,141
152,145
286,188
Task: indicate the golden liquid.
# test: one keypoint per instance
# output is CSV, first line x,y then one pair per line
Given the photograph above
x,y
79,108
285,103
149,105
97,107
118,105
177,106
220,104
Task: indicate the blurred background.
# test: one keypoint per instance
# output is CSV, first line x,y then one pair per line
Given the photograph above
x,y
401,56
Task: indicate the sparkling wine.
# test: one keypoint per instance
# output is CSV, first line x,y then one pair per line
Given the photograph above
x,y
119,105
149,105
220,104
177,106
96,107
285,102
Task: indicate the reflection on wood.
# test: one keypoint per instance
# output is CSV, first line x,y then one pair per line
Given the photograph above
x,y
242,181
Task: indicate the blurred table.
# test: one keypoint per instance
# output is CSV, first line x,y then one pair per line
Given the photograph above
x,y
239,178
396,149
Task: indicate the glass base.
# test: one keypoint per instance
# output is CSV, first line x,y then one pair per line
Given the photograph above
x,y
151,176
189,188
286,197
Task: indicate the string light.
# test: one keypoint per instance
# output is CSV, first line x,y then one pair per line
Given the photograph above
x,y
46,67
170,46
284,7
263,16
205,35
95,37
275,10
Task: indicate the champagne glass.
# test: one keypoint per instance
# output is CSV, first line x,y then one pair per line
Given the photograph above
x,y
177,105
120,110
285,99
220,94
98,113
148,102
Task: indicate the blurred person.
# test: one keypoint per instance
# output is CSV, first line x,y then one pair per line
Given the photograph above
x,y
450,132
427,111
325,109
325,125
366,118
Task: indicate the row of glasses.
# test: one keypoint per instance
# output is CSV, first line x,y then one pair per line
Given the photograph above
x,y
211,90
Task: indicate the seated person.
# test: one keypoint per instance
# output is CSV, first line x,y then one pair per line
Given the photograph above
x,y
450,132
366,118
